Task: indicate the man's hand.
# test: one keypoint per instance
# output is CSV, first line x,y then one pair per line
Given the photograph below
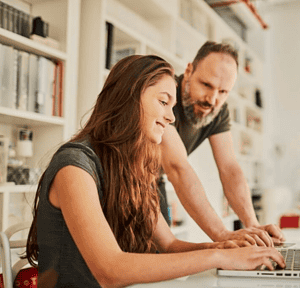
x,y
274,231
264,235
229,244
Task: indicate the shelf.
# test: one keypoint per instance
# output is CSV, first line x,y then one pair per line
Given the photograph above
x,y
36,1
151,9
19,117
191,30
249,130
175,61
17,188
28,45
235,95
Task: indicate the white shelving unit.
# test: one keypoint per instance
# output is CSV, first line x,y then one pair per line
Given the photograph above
x,y
161,27
63,17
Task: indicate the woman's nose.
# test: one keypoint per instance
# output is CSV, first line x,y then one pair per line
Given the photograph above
x,y
170,117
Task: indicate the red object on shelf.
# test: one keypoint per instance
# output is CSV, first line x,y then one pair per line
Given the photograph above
x,y
289,221
248,4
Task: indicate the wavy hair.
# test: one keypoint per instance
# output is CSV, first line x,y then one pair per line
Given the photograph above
x,y
130,161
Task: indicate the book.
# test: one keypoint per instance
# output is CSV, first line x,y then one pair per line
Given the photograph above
x,y
22,89
42,85
60,88
32,82
54,94
8,66
49,91
19,5
1,71
4,20
109,44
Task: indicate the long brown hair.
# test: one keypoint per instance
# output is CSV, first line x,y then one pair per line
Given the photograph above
x,y
130,161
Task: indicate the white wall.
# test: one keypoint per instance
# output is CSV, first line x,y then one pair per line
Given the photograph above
x,y
282,97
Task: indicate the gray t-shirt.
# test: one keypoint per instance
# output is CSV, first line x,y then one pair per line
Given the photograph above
x,y
60,262
192,137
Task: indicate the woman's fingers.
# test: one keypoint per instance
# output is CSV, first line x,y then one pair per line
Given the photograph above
x,y
251,257
277,257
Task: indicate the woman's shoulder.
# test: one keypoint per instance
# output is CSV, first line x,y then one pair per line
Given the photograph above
x,y
80,154
79,150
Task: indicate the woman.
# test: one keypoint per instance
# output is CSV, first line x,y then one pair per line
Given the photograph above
x,y
98,220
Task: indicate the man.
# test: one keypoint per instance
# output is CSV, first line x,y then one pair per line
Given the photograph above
x,y
201,112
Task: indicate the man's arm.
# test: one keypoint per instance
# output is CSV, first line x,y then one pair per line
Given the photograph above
x,y
234,183
188,186
235,186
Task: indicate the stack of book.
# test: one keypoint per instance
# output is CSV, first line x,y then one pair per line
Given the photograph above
x,y
30,82
17,20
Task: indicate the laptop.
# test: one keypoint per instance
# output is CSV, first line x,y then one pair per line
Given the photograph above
x,y
291,271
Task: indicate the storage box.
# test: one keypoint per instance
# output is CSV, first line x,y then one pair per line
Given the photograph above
x,y
19,175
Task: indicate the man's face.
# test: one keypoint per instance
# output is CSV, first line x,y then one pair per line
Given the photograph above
x,y
205,89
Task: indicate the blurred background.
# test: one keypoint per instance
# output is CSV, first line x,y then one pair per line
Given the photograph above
x,y
56,54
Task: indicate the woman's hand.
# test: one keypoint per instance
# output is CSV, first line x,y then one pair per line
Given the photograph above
x,y
249,258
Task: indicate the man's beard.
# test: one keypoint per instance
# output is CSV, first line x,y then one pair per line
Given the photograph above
x,y
197,120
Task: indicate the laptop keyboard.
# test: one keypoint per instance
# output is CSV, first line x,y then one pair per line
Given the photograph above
x,y
292,260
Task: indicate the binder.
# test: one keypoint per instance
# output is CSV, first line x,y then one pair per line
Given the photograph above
x,y
49,91
109,44
14,86
1,70
7,77
22,94
60,91
32,82
42,85
55,92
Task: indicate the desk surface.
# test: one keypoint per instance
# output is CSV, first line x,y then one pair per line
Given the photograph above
x,y
211,279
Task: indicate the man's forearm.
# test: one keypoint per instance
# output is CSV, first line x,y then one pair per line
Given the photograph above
x,y
193,198
238,194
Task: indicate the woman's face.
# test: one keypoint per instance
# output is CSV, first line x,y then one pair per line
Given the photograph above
x,y
158,102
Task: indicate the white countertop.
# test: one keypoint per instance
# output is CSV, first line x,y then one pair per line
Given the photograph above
x,y
211,279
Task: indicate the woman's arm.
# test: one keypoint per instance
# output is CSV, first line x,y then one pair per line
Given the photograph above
x,y
167,243
79,202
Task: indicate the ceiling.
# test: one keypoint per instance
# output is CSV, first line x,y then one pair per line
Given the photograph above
x,y
241,11
268,3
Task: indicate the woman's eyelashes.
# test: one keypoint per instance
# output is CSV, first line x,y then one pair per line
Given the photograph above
x,y
164,103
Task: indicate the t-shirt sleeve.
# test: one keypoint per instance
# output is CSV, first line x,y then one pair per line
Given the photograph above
x,y
75,157
222,121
